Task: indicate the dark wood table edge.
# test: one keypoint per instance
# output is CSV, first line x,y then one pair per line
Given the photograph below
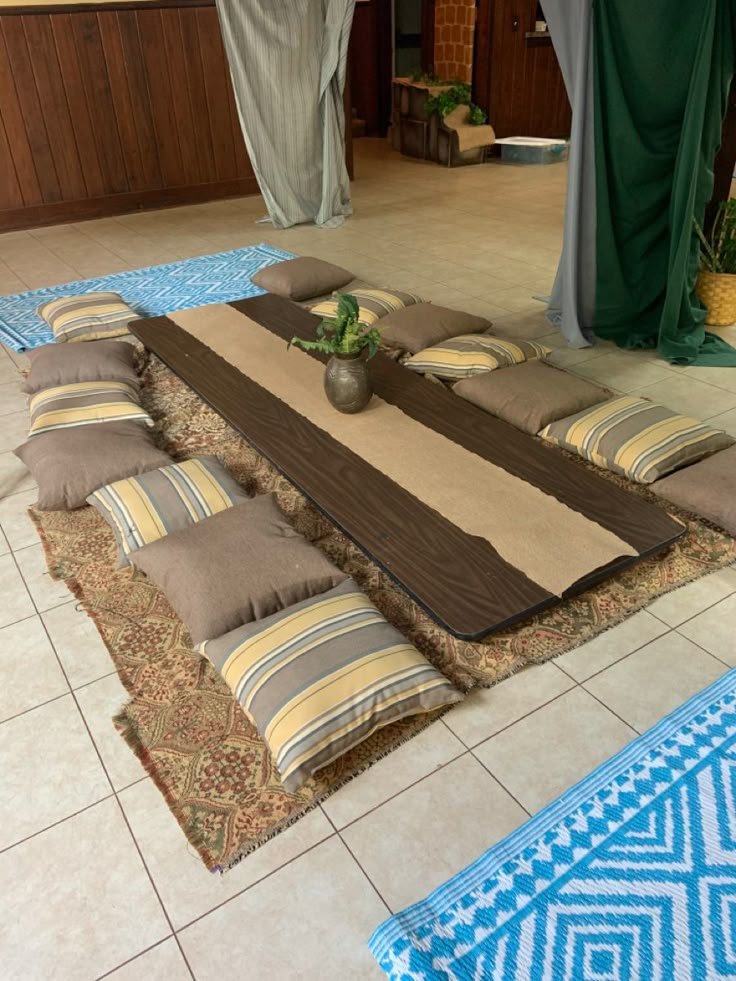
x,y
581,586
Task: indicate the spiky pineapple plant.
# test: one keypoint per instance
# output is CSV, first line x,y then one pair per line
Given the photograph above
x,y
718,250
342,334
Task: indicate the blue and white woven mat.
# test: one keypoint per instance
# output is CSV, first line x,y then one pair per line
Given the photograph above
x,y
630,876
152,291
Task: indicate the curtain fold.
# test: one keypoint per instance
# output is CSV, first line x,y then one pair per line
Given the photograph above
x,y
572,302
662,75
648,84
288,61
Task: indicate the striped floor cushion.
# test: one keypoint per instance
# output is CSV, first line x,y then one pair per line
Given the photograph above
x,y
372,304
83,404
87,317
635,437
320,676
471,354
142,509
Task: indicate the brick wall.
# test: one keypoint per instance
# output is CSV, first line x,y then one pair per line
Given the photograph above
x,y
453,39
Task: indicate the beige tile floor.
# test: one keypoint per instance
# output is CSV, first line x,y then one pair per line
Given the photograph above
x,y
95,877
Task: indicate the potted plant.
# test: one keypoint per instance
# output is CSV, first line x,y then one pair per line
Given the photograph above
x,y
347,385
716,284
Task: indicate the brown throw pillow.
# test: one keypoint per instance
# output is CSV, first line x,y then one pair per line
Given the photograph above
x,y
423,324
530,395
301,278
64,364
69,464
706,488
240,565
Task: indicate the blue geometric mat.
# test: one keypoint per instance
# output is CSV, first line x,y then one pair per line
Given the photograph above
x,y
630,876
152,291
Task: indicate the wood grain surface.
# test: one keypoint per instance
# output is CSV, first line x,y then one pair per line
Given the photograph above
x,y
460,580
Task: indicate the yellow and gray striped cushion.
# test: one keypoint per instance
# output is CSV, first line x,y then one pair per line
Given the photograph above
x,y
635,437
142,509
372,304
87,317
471,354
83,404
319,677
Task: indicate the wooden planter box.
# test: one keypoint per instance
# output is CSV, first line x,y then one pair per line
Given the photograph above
x,y
417,133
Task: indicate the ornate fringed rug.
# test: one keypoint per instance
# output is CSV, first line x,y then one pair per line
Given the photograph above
x,y
629,876
183,723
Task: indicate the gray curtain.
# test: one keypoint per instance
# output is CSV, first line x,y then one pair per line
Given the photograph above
x,y
572,302
288,62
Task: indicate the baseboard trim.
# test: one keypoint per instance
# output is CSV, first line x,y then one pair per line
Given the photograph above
x,y
59,212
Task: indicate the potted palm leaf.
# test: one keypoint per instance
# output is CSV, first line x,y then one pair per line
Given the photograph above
x,y
716,284
347,384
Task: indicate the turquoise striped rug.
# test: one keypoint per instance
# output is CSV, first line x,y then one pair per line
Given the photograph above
x,y
630,876
153,291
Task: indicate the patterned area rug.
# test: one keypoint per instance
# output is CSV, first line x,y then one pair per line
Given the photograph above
x,y
630,876
152,291
192,736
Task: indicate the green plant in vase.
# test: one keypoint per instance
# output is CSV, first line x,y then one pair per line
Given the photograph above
x,y
347,384
716,284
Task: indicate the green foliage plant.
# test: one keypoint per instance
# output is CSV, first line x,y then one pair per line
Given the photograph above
x,y
718,250
342,334
457,95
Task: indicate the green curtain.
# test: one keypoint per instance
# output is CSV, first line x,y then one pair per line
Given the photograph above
x,y
662,75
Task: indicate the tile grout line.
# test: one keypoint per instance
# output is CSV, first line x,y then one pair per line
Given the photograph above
x,y
153,883
266,875
503,786
350,852
55,824
130,960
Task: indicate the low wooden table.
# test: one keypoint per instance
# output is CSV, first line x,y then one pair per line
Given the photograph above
x,y
458,578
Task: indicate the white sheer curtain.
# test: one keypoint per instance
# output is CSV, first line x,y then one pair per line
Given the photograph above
x,y
288,62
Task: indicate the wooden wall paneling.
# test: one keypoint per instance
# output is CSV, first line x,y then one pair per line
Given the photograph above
x,y
125,115
109,108
30,108
217,82
15,133
364,66
99,102
725,161
189,26
76,97
131,87
517,79
186,125
11,195
384,55
483,40
54,106
242,160
151,33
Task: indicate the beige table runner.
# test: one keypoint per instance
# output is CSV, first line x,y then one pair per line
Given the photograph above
x,y
551,543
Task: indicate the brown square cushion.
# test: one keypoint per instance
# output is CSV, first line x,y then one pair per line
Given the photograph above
x,y
69,464
530,395
240,565
707,488
421,325
65,364
301,278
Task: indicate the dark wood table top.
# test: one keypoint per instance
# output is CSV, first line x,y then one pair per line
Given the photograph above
x,y
459,579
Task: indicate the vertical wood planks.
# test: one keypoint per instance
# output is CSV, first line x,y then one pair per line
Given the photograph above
x,y
101,102
517,79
